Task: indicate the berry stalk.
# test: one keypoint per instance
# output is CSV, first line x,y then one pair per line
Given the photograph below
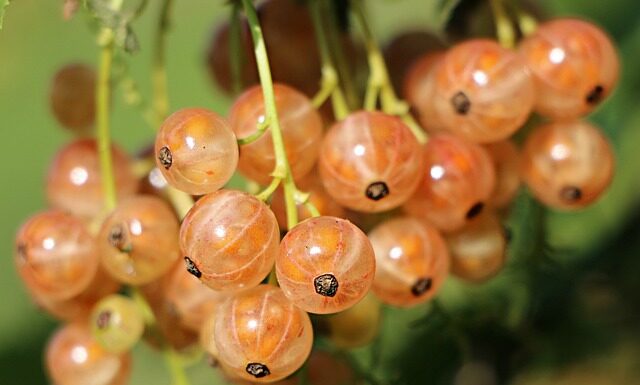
x,y
159,72
504,28
103,98
379,84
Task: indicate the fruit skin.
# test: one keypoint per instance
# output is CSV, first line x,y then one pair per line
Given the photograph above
x,y
478,250
74,357
567,165
55,255
72,97
357,326
575,66
412,261
196,150
457,181
481,91
325,265
506,160
265,337
74,179
229,240
138,241
418,88
370,162
116,323
300,124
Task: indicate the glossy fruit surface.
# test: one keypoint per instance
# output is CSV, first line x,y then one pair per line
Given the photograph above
x,y
265,337
412,261
196,151
300,124
116,323
55,255
74,179
74,357
567,165
478,250
575,66
482,92
457,182
72,96
139,240
230,240
325,265
370,162
506,161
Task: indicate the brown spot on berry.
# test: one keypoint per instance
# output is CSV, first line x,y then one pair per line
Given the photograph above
x,y
595,95
102,321
257,369
165,157
192,268
326,285
461,103
475,210
377,190
421,286
570,194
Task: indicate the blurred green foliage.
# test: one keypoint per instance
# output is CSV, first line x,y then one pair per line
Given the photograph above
x,y
561,301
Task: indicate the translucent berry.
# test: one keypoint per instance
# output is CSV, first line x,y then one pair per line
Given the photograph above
x,y
301,127
116,323
139,240
418,90
411,261
482,92
74,357
478,250
230,240
574,64
192,300
506,161
311,184
55,255
325,265
265,336
207,337
567,165
357,326
72,96
74,179
457,182
196,151
370,162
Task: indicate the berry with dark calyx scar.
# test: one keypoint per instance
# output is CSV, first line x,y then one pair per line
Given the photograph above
x,y
116,323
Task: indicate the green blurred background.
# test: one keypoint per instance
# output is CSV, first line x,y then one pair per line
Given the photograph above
x,y
577,312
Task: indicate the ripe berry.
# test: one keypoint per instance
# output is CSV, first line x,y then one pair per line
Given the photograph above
x,y
325,265
74,357
574,64
506,161
370,162
567,165
116,323
358,325
457,182
478,250
74,179
72,96
481,91
196,151
301,127
229,240
411,261
139,240
55,255
265,337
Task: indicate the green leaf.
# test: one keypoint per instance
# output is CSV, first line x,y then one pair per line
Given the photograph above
x,y
3,5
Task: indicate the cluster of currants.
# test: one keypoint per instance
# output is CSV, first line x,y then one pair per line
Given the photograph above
x,y
427,208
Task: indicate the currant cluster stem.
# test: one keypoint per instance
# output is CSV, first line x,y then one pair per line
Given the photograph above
x,y
504,27
379,86
159,72
103,98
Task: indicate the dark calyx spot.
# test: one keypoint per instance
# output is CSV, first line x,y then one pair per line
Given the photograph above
x,y
165,157
508,234
475,210
570,194
595,95
377,190
326,285
421,286
103,319
257,370
21,250
118,238
192,268
461,103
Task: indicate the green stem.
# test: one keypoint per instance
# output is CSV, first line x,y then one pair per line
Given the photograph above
x,y
176,368
269,190
262,127
330,82
282,169
379,83
527,23
159,72
504,27
103,98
